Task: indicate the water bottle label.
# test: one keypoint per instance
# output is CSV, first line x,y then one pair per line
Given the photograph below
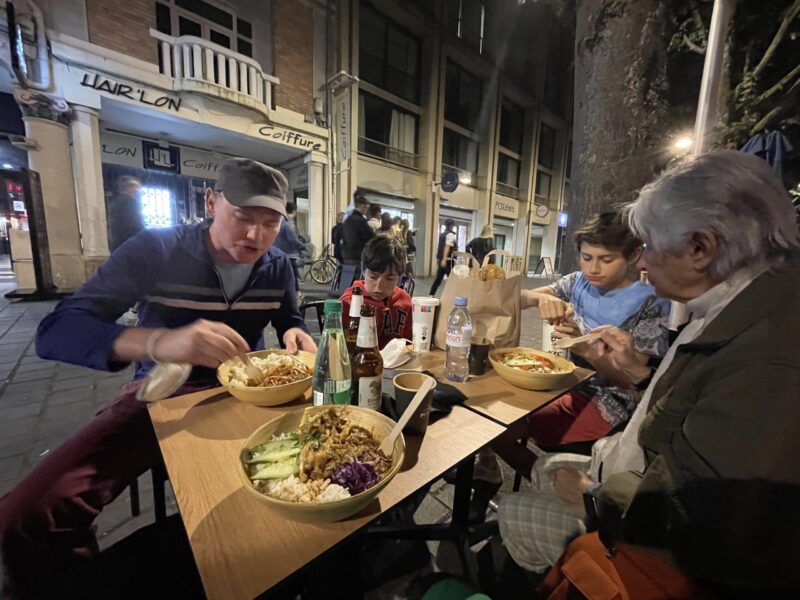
x,y
369,392
333,392
459,338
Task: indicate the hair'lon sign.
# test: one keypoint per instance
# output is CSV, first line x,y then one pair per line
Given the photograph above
x,y
137,94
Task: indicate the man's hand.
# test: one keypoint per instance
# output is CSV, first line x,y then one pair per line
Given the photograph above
x,y
443,263
554,310
618,346
204,343
296,339
570,484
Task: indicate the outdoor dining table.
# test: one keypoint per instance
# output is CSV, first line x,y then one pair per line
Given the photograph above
x,y
241,547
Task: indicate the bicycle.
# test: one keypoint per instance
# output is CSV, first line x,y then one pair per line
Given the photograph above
x,y
323,269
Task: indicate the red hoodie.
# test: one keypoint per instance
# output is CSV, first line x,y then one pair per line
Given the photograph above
x,y
392,316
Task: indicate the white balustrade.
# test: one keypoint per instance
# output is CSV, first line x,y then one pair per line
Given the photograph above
x,y
191,60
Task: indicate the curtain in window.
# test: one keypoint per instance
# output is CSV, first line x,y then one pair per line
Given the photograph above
x,y
402,132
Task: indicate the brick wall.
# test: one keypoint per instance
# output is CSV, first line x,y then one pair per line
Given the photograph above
x,y
124,26
293,31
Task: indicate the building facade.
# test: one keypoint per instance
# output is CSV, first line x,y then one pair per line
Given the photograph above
x,y
383,96
478,89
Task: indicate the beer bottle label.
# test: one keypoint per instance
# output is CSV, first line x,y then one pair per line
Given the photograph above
x,y
366,333
369,392
356,301
333,392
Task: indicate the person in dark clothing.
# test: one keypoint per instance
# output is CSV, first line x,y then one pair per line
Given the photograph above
x,y
374,217
337,238
444,253
479,247
206,292
356,232
125,218
289,241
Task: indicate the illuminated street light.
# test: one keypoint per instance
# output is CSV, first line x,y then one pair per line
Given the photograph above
x,y
465,179
683,143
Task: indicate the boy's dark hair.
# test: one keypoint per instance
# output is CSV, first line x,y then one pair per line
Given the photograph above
x,y
384,252
291,208
610,230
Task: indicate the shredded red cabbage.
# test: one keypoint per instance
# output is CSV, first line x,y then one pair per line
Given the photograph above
x,y
355,476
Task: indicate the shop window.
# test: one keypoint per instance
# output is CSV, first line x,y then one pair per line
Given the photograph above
x,y
512,119
207,20
460,152
462,97
157,207
388,55
547,146
386,131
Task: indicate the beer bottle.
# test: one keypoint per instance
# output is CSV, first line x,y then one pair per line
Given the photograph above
x,y
367,364
351,329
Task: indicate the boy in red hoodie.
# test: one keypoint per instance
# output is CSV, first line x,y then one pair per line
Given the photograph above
x,y
382,262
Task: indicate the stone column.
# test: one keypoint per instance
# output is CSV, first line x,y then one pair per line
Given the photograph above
x,y
46,122
88,170
317,201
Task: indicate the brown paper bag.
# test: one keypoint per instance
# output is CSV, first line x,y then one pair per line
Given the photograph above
x,y
493,305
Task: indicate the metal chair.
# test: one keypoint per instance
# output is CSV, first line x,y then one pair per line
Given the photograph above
x,y
159,476
343,279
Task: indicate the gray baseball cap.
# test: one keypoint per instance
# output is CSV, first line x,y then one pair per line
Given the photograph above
x,y
248,182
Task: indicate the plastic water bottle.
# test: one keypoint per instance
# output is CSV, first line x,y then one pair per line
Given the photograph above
x,y
459,338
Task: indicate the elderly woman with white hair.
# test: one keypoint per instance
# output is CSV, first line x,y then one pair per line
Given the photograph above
x,y
701,491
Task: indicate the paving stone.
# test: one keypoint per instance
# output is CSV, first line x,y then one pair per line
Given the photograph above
x,y
70,396
74,410
10,466
18,426
430,510
445,495
16,398
20,411
79,383
32,376
15,444
37,366
25,387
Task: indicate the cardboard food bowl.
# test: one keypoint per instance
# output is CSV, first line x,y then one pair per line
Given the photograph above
x,y
380,426
532,381
266,395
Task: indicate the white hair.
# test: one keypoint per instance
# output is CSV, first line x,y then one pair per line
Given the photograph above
x,y
733,195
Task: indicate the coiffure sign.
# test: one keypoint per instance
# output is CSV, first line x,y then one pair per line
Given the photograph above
x,y
291,138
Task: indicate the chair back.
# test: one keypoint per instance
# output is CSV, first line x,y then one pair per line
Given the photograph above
x,y
407,283
343,279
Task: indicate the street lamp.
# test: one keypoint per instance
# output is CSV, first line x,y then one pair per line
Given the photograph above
x,y
683,143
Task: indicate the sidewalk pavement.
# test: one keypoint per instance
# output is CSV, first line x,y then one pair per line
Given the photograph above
x,y
44,402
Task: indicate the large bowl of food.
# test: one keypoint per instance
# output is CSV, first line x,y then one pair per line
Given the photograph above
x,y
531,369
321,464
286,377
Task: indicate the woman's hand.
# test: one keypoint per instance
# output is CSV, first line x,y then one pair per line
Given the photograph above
x,y
570,484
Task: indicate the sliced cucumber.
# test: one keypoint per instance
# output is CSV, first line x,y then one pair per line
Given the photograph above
x,y
275,451
278,470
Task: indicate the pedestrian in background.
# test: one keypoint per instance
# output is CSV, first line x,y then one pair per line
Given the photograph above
x,y
125,218
356,232
337,238
386,225
479,247
407,238
289,241
444,253
374,217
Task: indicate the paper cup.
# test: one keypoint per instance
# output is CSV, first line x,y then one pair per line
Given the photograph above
x,y
405,388
424,311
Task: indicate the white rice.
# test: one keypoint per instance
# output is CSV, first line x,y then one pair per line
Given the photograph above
x,y
237,373
292,489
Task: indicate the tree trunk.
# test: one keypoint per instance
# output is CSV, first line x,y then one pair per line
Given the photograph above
x,y
620,120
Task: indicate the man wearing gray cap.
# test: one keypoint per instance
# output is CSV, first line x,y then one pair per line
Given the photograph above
x,y
205,293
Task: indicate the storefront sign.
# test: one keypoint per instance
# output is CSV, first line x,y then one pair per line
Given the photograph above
x,y
161,158
19,206
291,138
196,163
506,208
121,150
141,95
341,119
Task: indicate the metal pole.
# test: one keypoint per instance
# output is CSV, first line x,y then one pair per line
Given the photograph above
x,y
707,104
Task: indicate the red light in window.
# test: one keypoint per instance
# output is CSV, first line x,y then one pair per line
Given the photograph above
x,y
19,188
10,187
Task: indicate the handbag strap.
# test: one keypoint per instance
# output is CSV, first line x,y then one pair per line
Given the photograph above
x,y
472,262
512,265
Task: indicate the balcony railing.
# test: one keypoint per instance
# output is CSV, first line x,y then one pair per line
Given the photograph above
x,y
507,190
387,153
198,65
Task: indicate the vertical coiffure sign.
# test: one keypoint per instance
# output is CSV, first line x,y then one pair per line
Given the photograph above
x,y
341,120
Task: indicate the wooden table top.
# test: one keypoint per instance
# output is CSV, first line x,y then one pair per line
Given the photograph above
x,y
491,395
241,547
